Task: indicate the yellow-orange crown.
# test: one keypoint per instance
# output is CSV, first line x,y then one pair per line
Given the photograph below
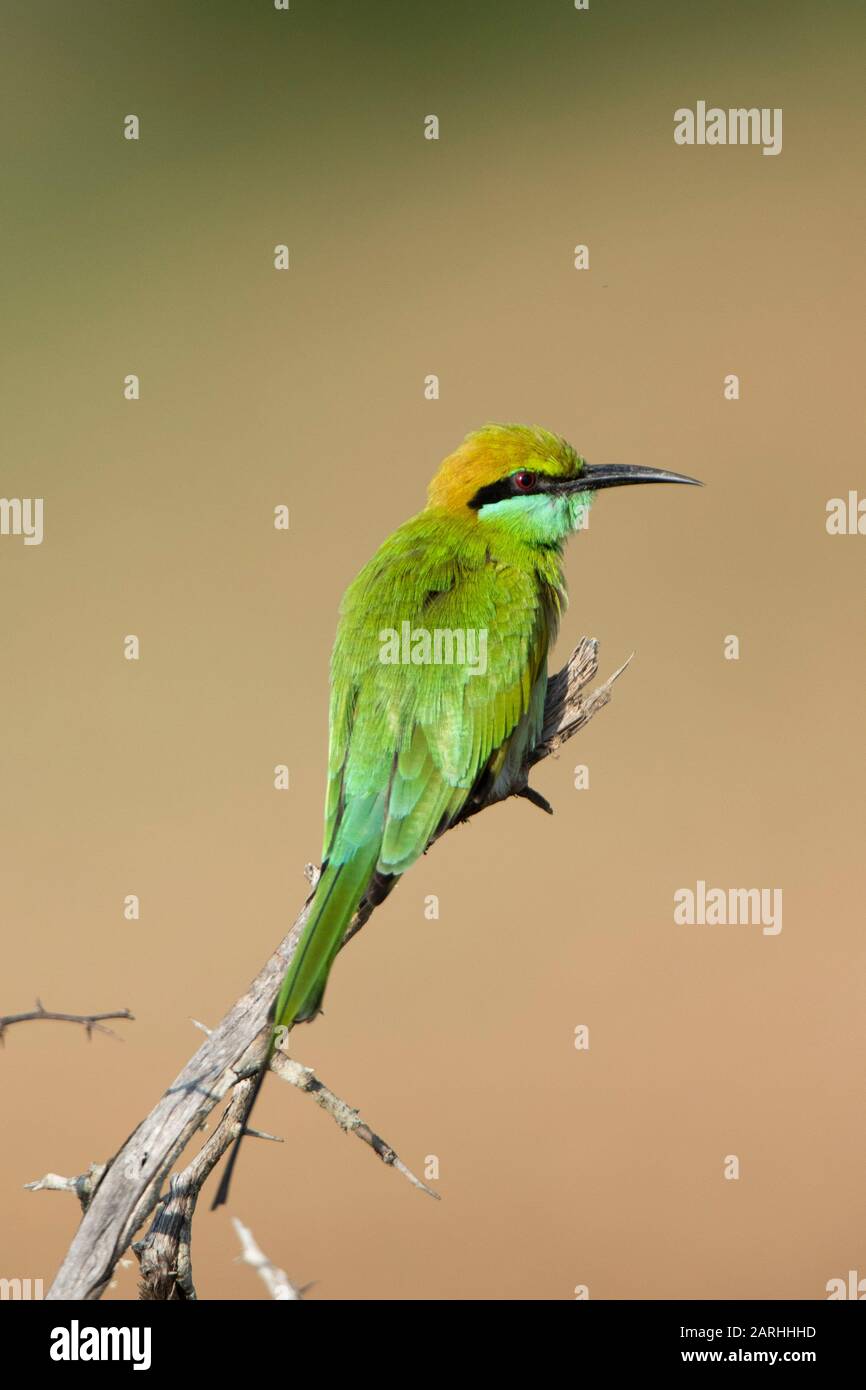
x,y
492,453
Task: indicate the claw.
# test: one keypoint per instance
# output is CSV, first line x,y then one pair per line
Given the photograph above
x,y
537,799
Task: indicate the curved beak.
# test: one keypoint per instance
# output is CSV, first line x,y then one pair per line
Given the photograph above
x,y
618,475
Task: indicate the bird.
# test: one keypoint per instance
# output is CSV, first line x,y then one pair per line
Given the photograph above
x,y
415,741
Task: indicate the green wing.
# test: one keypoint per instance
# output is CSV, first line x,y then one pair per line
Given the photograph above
x,y
410,741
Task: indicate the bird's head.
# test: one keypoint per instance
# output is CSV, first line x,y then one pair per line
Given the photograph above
x,y
529,481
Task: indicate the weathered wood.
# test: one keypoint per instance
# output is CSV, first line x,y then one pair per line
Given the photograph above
x,y
130,1188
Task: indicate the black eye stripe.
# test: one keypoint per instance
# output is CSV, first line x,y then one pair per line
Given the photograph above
x,y
493,492
506,487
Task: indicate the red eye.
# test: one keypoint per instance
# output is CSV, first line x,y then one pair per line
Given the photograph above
x,y
524,481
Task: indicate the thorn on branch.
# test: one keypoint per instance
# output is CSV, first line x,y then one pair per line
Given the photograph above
x,y
83,1186
260,1134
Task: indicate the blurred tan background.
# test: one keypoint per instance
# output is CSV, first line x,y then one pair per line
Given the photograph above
x,y
409,257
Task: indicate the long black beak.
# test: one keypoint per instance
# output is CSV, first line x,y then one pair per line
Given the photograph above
x,y
617,475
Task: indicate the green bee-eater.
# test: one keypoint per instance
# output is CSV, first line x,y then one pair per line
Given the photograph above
x,y
414,733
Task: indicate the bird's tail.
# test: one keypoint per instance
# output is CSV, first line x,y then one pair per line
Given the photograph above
x,y
338,895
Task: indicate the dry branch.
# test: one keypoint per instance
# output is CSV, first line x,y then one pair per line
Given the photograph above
x,y
164,1254
348,1119
130,1188
92,1023
276,1281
